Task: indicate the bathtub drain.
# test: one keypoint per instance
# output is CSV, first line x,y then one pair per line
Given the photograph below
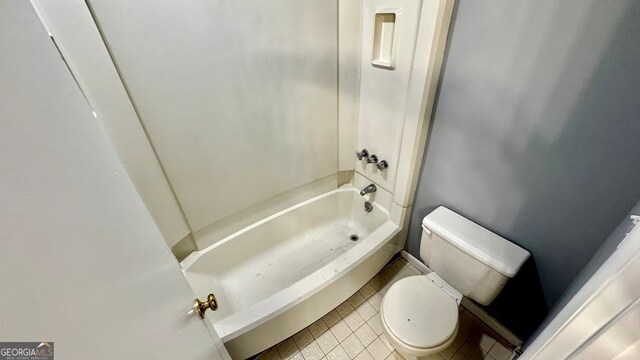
x,y
353,237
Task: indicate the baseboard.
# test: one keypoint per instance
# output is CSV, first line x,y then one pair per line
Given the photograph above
x,y
415,262
492,323
471,306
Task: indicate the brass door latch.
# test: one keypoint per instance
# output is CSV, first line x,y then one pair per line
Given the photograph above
x,y
210,303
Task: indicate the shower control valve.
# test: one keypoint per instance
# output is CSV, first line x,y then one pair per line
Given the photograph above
x,y
372,159
382,165
362,154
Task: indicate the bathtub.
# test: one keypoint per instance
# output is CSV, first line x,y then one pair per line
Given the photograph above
x,y
277,276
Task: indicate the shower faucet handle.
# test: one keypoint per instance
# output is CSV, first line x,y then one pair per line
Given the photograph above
x,y
362,154
372,159
382,165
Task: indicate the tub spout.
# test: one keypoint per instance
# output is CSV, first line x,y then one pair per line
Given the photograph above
x,y
369,189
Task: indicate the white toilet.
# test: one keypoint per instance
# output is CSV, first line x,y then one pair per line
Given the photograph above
x,y
420,313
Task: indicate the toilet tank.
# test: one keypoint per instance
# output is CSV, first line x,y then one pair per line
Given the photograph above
x,y
472,259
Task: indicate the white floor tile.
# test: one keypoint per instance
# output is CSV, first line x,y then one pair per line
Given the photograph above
x,y
317,328
365,334
376,324
337,353
377,282
481,338
459,339
474,319
354,320
415,270
385,288
500,352
386,341
303,338
406,272
388,273
312,351
331,318
400,264
341,330
356,299
375,301
364,355
352,346
344,309
391,357
472,350
448,352
460,356
466,324
287,348
367,290
378,350
366,310
327,341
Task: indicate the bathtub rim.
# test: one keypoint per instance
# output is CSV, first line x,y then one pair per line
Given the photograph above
x,y
194,256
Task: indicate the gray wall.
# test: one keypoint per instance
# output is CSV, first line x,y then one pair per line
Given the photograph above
x,y
536,132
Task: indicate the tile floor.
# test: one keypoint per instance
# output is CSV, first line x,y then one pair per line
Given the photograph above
x,y
353,330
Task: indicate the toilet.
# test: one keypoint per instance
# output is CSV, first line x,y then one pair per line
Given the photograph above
x,y
420,313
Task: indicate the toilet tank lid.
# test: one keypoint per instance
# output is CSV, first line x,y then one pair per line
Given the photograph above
x,y
492,249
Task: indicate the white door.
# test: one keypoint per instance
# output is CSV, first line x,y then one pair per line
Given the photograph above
x,y
619,339
602,320
82,263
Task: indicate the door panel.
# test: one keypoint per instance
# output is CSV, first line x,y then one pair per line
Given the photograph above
x,y
619,339
82,263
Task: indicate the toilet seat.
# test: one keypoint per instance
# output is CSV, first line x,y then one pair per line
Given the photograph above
x,y
419,315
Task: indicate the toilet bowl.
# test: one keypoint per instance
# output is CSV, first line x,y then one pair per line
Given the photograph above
x,y
419,316
420,313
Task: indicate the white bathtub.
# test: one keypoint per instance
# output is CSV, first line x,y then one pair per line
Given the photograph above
x,y
279,275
